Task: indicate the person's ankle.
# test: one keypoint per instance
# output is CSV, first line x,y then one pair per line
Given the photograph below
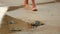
x,y
34,7
25,4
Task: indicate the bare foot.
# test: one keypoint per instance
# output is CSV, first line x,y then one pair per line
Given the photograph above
x,y
34,9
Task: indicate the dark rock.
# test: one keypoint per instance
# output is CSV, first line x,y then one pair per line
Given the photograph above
x,y
37,23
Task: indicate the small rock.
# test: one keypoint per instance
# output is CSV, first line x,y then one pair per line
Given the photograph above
x,y
11,22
